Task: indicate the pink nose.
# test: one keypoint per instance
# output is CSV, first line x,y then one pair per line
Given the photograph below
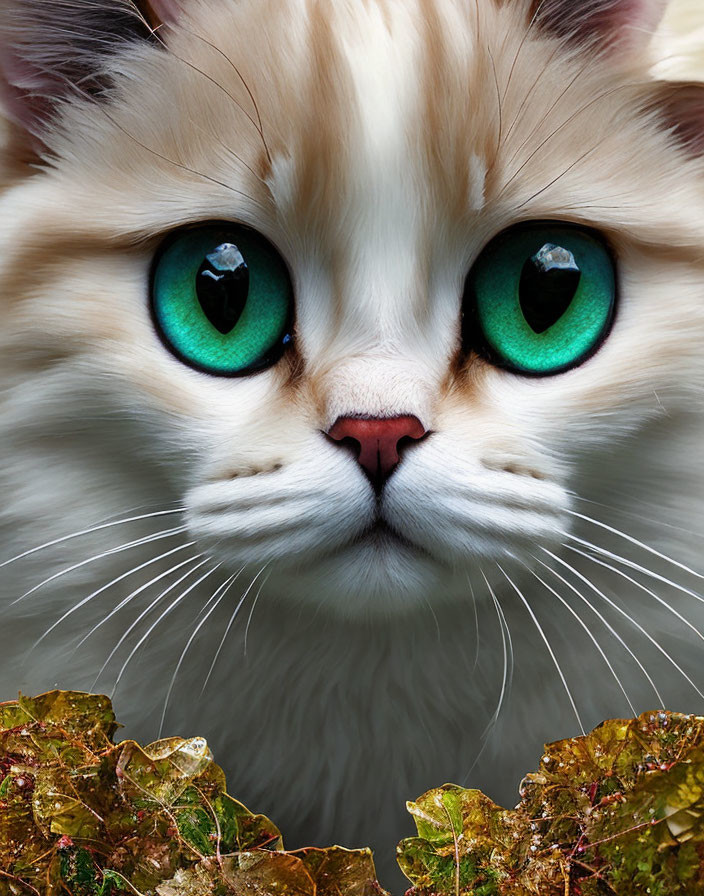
x,y
378,441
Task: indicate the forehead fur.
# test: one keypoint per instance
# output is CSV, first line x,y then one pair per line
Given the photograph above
x,y
378,144
340,90
287,113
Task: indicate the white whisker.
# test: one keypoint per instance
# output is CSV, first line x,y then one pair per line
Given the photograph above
x,y
81,603
507,648
476,623
604,622
137,592
642,587
435,618
634,541
172,606
251,612
222,591
49,544
589,633
633,565
549,647
148,539
507,675
151,606
636,516
640,628
228,627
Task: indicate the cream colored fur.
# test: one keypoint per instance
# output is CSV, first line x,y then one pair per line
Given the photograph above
x,y
678,44
360,677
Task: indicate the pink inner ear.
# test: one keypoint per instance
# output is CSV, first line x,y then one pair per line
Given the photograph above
x,y
626,23
683,107
165,10
51,49
24,93
637,20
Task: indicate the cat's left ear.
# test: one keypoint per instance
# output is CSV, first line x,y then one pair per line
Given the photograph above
x,y
53,50
680,107
624,25
160,11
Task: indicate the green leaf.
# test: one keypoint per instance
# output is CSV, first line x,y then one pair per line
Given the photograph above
x,y
80,814
620,810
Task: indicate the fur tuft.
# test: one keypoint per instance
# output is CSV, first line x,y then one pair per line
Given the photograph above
x,y
626,24
681,106
49,51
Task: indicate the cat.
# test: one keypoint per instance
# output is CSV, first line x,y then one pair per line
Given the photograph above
x,y
352,361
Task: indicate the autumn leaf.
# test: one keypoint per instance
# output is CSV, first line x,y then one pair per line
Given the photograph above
x,y
619,811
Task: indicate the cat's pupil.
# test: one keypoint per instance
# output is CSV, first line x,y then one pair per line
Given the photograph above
x,y
549,282
222,286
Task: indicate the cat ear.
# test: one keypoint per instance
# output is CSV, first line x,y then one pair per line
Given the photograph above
x,y
161,11
51,49
625,24
680,106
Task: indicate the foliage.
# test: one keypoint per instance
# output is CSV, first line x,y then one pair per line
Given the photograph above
x,y
619,811
616,812
81,815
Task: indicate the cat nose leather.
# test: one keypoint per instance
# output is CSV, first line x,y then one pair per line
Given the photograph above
x,y
377,441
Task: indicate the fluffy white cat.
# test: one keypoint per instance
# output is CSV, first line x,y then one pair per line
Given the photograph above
x,y
352,359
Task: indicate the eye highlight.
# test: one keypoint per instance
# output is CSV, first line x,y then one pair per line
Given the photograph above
x,y
221,299
540,298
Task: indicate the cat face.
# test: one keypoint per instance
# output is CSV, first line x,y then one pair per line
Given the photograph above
x,y
379,149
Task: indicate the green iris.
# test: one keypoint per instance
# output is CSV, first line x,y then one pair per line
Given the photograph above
x,y
542,296
222,299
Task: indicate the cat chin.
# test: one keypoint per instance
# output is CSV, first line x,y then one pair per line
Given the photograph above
x,y
377,576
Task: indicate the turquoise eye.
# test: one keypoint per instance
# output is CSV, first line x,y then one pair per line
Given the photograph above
x,y
222,299
540,298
